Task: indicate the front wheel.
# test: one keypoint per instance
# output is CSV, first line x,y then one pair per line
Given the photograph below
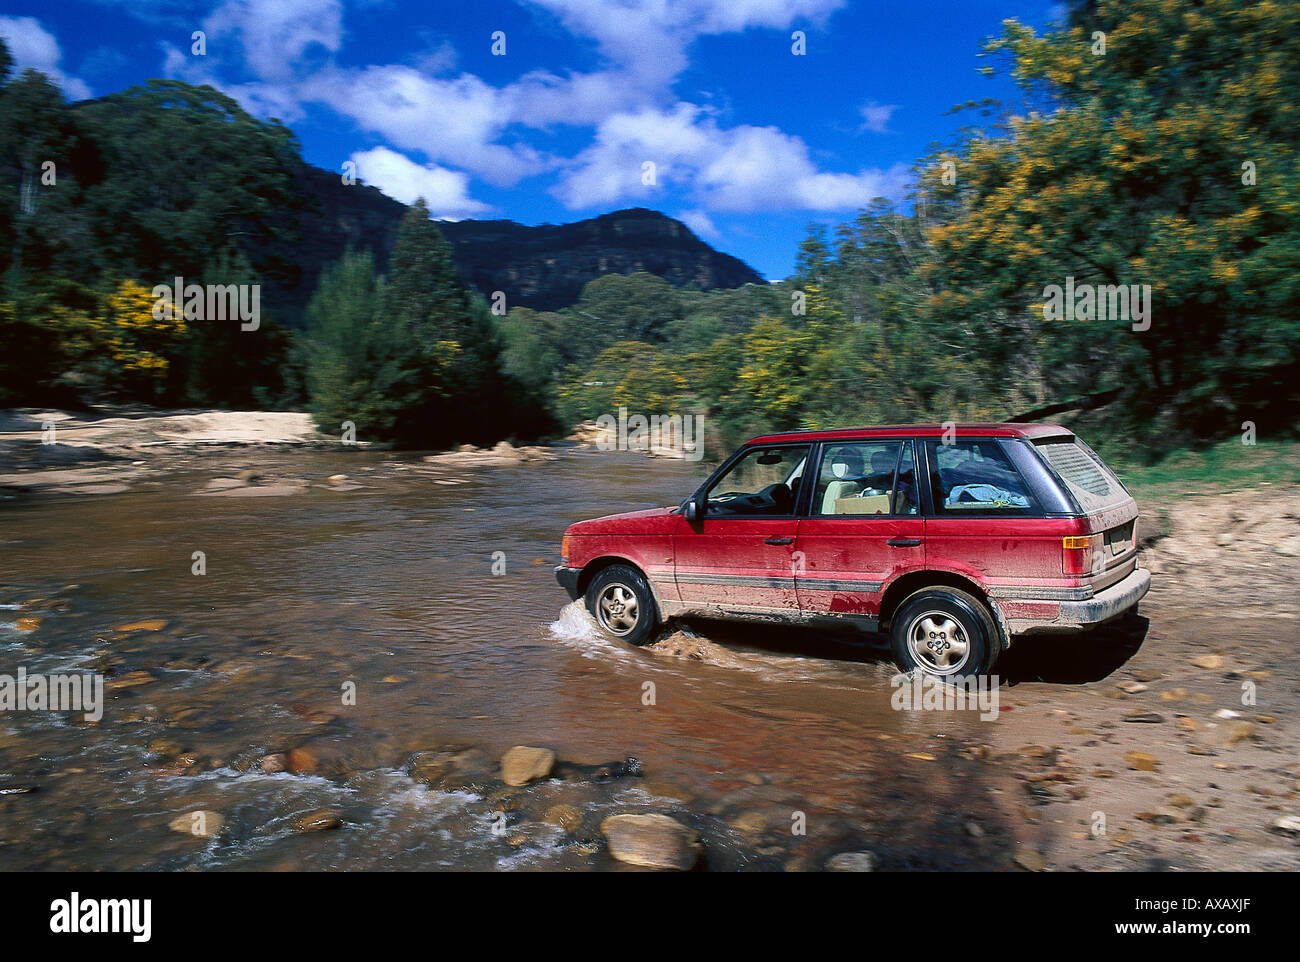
x,y
946,633
619,599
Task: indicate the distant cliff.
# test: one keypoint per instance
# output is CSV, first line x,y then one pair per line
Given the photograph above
x,y
543,267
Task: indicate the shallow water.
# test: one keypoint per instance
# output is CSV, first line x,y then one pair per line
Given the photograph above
x,y
390,588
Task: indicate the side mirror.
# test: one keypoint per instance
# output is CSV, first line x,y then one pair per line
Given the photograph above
x,y
692,509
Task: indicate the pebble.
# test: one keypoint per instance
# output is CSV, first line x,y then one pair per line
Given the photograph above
x,y
200,824
652,841
1142,761
852,862
523,764
1030,860
151,624
322,821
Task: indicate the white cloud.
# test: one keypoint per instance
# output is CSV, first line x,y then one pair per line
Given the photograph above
x,y
446,191
454,120
649,38
276,36
471,125
700,223
875,117
743,168
31,45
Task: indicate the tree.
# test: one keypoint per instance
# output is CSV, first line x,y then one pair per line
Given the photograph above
x,y
184,172
353,354
1172,160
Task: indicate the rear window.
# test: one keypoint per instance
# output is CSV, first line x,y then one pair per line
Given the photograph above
x,y
976,478
1093,484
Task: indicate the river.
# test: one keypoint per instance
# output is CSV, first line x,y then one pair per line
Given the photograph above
x,y
780,747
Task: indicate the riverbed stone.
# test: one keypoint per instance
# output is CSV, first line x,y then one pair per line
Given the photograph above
x,y
302,762
1030,860
199,824
523,764
565,816
1288,825
1142,761
149,624
651,841
852,862
322,821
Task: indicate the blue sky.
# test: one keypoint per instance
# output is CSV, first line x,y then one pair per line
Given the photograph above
x,y
749,142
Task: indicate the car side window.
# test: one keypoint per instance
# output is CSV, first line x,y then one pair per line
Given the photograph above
x,y
976,477
764,481
865,478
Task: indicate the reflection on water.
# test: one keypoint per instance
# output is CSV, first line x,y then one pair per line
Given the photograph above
x,y
387,590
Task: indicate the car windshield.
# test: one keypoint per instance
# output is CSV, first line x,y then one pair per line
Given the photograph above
x,y
764,481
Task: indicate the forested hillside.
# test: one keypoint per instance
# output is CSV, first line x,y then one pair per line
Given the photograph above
x,y
1150,170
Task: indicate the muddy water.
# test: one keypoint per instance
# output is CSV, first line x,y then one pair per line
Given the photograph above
x,y
388,589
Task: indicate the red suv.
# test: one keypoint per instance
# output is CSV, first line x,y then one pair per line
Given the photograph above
x,y
952,540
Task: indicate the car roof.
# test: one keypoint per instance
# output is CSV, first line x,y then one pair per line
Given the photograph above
x,y
997,430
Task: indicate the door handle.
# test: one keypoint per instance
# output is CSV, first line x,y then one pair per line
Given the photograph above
x,y
778,541
903,542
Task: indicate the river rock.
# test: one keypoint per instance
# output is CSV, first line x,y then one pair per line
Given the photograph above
x,y
565,816
852,862
1239,731
1030,860
322,821
750,823
522,764
1288,825
1208,662
452,769
150,624
200,824
1142,761
653,841
302,762
1290,547
273,763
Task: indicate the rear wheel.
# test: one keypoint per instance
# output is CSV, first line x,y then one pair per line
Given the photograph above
x,y
944,632
620,600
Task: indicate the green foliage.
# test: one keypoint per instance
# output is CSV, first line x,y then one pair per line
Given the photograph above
x,y
1132,173
416,360
182,172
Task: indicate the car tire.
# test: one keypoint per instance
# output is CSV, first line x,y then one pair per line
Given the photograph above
x,y
945,633
620,601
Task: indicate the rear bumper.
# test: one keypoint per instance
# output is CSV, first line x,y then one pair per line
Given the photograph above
x,y
1105,605
568,579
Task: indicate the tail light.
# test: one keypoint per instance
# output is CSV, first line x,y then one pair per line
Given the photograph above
x,y
1082,554
564,549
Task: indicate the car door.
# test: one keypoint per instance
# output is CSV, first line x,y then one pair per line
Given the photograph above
x,y
864,526
738,555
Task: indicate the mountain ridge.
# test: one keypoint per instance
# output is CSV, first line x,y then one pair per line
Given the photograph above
x,y
543,266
